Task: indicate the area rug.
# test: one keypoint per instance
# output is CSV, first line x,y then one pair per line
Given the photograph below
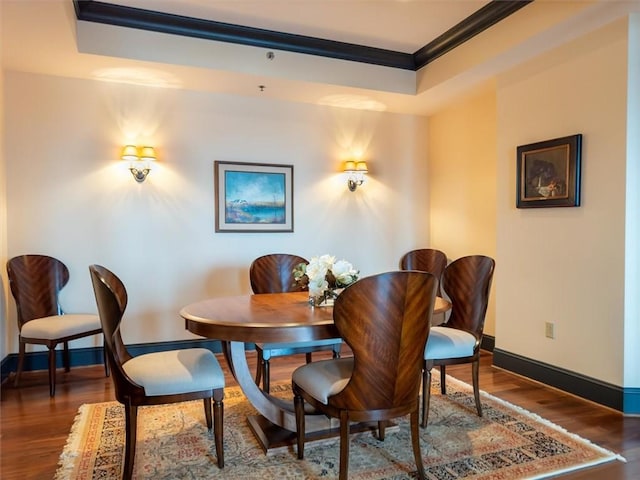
x,y
173,443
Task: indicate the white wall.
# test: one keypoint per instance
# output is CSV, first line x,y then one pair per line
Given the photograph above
x,y
632,229
566,265
69,196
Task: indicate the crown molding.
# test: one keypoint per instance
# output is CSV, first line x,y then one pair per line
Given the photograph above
x,y
122,16
478,22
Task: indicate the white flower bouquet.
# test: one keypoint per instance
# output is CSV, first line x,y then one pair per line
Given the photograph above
x,y
324,275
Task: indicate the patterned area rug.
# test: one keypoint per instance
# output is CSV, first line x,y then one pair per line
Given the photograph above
x,y
173,443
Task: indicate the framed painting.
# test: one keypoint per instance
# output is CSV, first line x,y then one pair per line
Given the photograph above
x,y
548,173
253,197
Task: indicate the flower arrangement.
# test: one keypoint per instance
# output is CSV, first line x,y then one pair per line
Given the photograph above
x,y
324,275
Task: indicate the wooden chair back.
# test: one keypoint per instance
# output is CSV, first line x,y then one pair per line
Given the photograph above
x,y
385,320
467,282
35,282
425,260
111,298
273,273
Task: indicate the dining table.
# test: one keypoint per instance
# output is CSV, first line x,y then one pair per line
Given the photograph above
x,y
268,318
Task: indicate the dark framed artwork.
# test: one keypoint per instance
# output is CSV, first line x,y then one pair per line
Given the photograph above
x,y
548,173
253,197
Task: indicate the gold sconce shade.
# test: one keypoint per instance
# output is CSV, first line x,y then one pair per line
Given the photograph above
x,y
147,153
130,153
350,166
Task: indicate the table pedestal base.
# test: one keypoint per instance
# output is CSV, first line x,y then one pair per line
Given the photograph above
x,y
272,438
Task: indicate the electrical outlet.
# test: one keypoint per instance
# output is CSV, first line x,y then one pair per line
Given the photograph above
x,y
549,330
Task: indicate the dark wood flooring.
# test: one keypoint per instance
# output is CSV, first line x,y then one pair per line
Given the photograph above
x,y
34,427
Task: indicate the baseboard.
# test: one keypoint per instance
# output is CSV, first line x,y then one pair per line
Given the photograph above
x,y
488,343
93,355
618,398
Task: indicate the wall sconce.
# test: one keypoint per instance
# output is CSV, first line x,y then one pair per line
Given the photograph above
x,y
356,172
139,160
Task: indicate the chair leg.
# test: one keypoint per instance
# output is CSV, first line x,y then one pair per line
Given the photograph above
x,y
207,413
105,357
131,426
298,403
52,371
66,359
266,375
259,368
218,426
475,374
426,395
344,445
336,351
21,355
443,383
308,357
415,442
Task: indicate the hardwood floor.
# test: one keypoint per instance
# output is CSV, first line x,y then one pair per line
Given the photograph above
x,y
34,427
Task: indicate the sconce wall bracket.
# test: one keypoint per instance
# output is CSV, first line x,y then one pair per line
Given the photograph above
x,y
139,175
353,184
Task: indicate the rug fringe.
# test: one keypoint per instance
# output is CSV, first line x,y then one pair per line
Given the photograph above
x,y
571,469
71,449
549,424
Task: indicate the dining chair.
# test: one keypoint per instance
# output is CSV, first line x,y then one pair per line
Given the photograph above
x,y
155,378
273,273
426,260
35,282
385,320
467,282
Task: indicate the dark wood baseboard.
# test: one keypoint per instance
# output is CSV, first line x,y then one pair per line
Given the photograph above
x,y
488,343
626,400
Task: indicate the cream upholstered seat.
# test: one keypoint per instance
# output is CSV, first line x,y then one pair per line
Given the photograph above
x,y
175,372
273,273
155,378
467,282
385,320
59,326
36,282
449,343
324,379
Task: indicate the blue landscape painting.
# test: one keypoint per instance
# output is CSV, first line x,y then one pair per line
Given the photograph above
x,y
254,198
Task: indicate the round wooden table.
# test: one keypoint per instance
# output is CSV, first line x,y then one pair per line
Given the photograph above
x,y
267,318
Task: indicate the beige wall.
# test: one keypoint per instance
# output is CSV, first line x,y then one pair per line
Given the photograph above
x,y
566,265
462,190
3,223
69,196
